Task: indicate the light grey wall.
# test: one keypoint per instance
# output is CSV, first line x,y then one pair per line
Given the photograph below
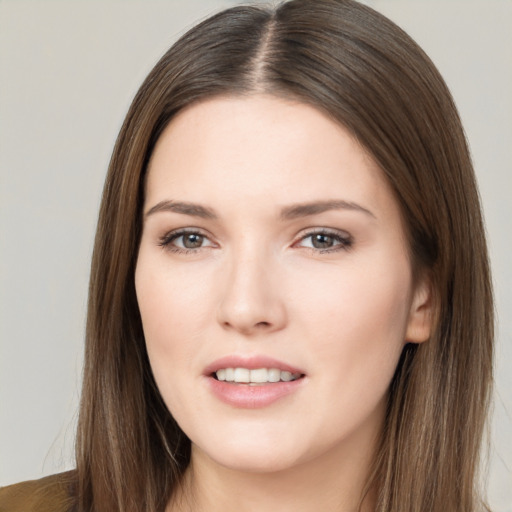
x,y
68,71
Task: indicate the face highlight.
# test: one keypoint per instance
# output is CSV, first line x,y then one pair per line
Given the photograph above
x,y
274,283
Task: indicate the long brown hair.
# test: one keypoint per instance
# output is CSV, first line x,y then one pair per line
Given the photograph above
x,y
363,71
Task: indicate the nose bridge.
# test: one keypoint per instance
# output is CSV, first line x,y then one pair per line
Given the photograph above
x,y
251,300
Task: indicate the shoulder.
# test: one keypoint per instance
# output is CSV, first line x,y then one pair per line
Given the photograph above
x,y
49,494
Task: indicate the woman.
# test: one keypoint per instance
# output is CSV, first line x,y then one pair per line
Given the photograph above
x,y
290,301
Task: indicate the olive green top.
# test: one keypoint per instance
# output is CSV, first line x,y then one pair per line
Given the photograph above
x,y
49,494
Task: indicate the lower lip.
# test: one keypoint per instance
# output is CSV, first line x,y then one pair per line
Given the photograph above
x,y
252,397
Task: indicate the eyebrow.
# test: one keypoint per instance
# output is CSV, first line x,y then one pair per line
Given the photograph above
x,y
291,212
193,209
317,207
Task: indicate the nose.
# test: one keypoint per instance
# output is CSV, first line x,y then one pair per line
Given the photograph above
x,y
252,299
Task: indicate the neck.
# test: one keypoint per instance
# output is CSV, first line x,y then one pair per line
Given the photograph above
x,y
334,482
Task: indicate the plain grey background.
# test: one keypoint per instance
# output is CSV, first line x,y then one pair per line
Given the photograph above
x,y
68,71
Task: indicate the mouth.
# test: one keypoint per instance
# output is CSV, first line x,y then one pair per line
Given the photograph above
x,y
256,376
252,382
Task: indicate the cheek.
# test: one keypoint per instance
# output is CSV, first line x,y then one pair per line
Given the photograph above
x,y
172,319
357,318
355,325
170,355
171,302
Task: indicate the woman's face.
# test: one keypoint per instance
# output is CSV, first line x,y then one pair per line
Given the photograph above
x,y
273,254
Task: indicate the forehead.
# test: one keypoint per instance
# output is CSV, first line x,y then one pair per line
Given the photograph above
x,y
262,148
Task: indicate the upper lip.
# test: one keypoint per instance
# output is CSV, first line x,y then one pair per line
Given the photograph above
x,y
252,362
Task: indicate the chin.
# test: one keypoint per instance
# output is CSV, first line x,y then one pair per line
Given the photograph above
x,y
250,451
254,461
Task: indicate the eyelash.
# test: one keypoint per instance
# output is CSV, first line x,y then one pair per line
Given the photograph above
x,y
166,240
343,241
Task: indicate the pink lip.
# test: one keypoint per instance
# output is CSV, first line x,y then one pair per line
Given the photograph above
x,y
244,395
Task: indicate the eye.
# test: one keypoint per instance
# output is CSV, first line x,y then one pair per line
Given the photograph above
x,y
185,240
326,241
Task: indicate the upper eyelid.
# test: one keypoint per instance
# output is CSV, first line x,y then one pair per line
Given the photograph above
x,y
187,230
304,233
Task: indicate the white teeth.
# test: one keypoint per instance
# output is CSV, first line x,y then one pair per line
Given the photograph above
x,y
274,375
257,376
286,376
242,375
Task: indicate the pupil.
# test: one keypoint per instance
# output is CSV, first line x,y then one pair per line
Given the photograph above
x,y
192,241
322,241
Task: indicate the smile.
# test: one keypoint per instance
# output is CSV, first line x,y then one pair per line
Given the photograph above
x,y
253,381
255,376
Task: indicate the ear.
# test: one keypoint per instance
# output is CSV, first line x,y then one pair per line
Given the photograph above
x,y
421,314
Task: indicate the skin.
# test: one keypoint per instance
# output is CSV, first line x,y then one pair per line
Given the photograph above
x,y
257,284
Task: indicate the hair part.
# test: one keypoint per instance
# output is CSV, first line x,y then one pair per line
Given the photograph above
x,y
364,72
